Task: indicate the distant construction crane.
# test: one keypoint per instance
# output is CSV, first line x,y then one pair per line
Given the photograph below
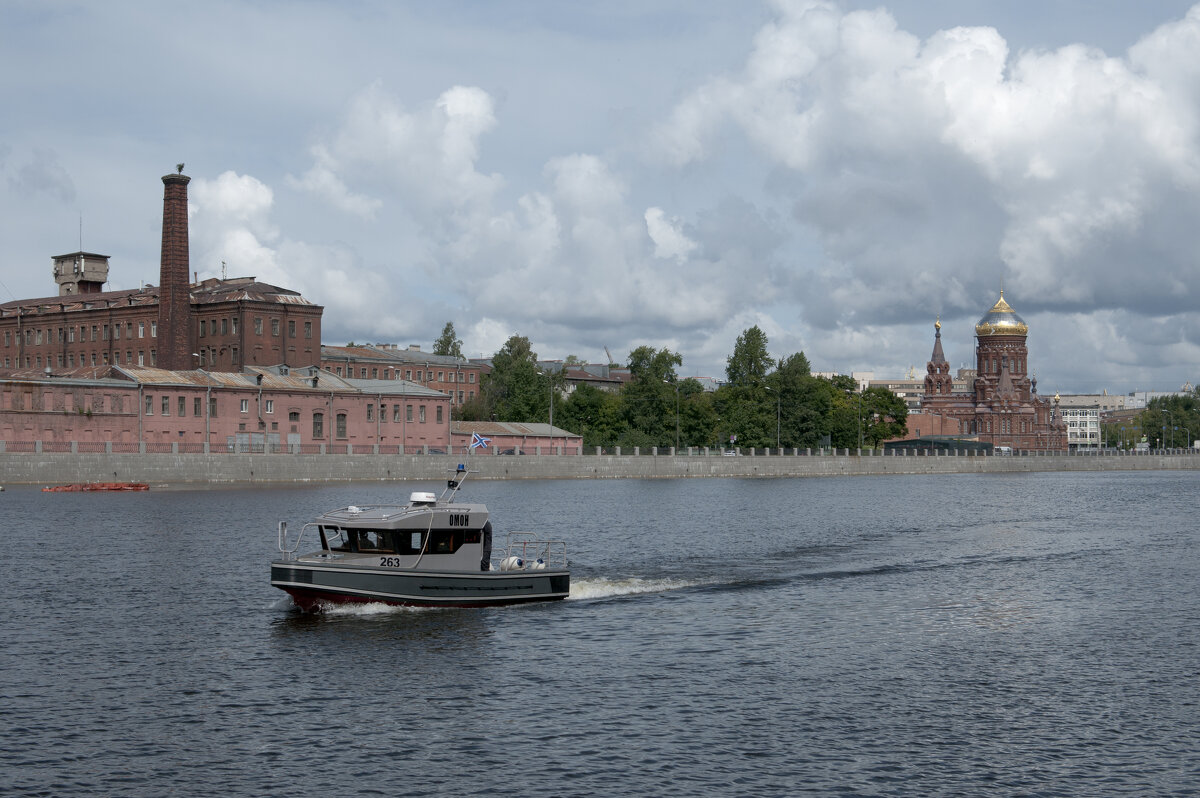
x,y
609,354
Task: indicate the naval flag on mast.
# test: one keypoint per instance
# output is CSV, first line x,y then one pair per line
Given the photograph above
x,y
478,441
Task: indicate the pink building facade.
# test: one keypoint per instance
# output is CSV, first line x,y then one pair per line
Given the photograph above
x,y
269,409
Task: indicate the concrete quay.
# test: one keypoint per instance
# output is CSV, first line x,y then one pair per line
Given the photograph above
x,y
222,469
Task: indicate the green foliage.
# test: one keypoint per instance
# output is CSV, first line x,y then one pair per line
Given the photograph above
x,y
765,404
516,390
448,343
750,362
1171,421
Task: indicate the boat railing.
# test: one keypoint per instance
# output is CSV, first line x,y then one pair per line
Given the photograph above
x,y
288,548
533,552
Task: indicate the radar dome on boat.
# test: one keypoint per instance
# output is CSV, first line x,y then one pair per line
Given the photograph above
x,y
423,497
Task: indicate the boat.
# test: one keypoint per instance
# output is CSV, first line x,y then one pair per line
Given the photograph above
x,y
90,487
430,552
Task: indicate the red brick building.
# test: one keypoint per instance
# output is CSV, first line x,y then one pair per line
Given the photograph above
x,y
178,325
457,378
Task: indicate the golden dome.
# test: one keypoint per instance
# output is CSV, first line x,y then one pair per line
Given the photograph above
x,y
1001,320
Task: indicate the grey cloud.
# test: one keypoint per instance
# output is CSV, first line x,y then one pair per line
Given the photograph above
x,y
42,174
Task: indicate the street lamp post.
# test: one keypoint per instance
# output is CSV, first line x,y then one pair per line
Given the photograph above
x,y
675,384
778,412
860,419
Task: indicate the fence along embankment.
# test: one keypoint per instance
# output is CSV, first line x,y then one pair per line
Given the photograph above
x,y
52,468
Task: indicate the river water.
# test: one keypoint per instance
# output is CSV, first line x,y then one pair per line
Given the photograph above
x,y
1023,634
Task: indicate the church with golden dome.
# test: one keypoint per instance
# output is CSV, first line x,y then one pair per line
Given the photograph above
x,y
1003,407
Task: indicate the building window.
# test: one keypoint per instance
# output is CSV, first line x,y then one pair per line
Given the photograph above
x,y
441,376
275,327
396,413
153,357
224,326
374,373
153,329
166,405
293,415
370,411
245,406
439,414
472,378
341,425
308,329
203,327
258,325
233,323
212,407
460,397
141,329
183,407
421,414
95,334
362,373
318,425
149,405
270,406
408,414
291,328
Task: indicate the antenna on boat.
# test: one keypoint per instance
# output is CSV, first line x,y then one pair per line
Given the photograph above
x,y
452,485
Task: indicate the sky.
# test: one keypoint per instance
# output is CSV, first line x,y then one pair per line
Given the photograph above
x,y
602,176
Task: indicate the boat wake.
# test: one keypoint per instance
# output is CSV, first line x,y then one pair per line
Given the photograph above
x,y
601,587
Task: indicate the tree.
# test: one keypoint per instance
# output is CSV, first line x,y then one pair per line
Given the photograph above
x,y
884,416
803,405
649,398
745,404
592,413
516,389
448,343
749,363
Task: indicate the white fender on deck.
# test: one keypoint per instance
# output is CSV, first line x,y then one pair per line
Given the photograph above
x,y
540,565
512,564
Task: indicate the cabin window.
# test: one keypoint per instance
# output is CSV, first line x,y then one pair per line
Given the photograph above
x,y
374,541
335,539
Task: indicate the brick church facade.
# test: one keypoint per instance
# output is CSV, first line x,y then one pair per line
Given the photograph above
x,y
1004,408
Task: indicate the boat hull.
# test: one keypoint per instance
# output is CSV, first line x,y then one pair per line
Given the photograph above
x,y
311,585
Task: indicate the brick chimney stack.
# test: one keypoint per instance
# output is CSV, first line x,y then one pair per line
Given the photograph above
x,y
174,294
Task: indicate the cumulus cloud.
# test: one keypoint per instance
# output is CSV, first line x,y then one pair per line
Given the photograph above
x,y
934,169
670,242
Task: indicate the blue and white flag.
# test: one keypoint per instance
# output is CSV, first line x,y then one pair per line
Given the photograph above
x,y
478,440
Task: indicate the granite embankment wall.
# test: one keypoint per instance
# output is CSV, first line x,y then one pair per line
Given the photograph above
x,y
62,468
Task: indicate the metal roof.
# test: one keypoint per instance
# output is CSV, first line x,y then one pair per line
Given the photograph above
x,y
486,428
